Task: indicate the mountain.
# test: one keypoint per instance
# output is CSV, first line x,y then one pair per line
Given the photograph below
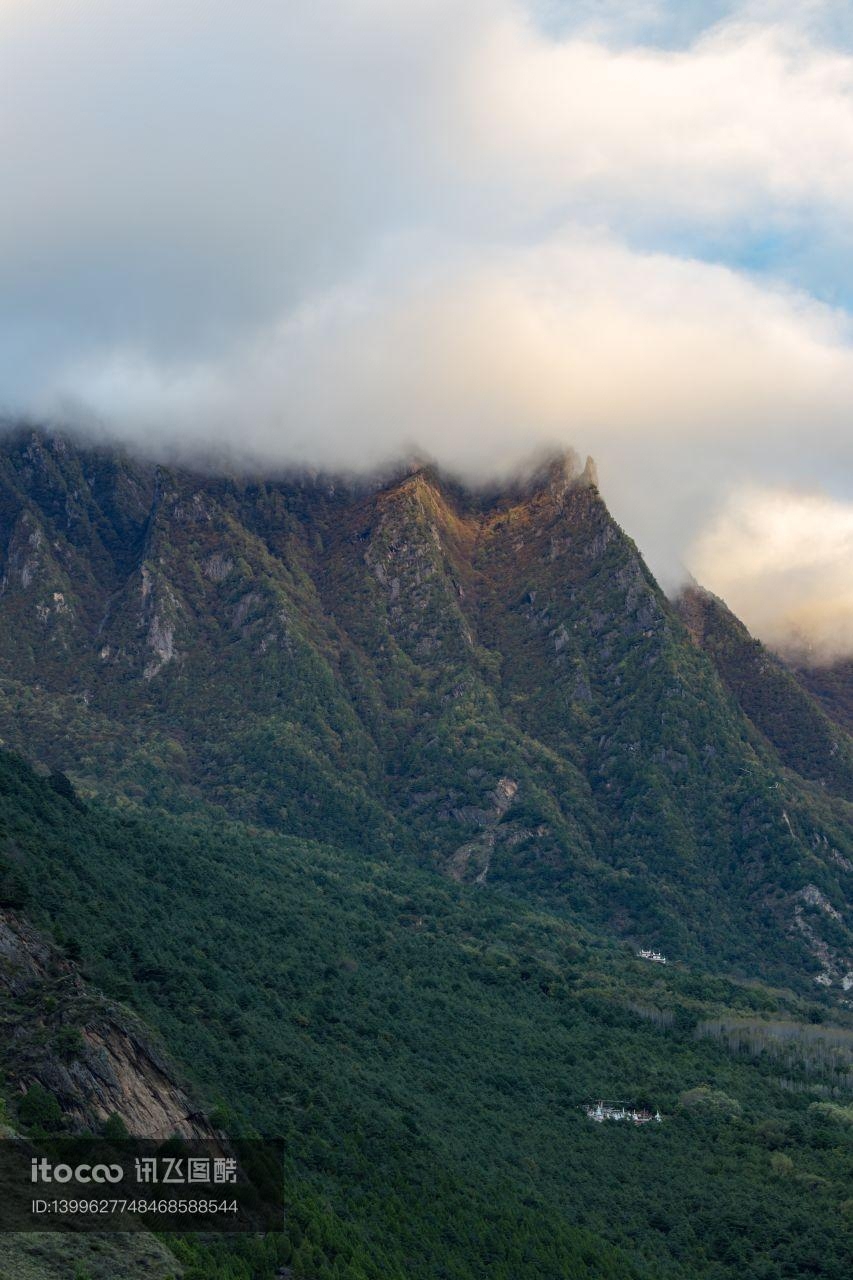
x,y
355,798
486,682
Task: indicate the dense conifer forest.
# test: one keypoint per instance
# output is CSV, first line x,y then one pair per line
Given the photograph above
x,y
425,1050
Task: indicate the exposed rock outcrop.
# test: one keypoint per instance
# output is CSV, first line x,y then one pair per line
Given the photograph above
x,y
93,1056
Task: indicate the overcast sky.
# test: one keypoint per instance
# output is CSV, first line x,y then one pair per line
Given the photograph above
x,y
328,231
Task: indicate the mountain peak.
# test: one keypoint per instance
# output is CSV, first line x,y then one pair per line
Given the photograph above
x,y
554,475
589,476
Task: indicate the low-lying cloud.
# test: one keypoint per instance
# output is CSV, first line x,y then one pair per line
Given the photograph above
x,y
328,233
783,560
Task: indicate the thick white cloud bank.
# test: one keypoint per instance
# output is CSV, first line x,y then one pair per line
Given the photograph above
x,y
327,232
785,558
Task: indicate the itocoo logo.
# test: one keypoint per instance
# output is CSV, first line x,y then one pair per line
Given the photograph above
x,y
43,1171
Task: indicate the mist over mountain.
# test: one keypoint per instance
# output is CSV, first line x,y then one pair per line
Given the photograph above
x,y
318,237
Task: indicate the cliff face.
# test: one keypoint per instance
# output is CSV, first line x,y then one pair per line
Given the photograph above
x,y
488,682
95,1058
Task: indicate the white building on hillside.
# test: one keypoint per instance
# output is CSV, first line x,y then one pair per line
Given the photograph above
x,y
601,1111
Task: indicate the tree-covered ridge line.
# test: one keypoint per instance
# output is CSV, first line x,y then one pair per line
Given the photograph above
x,y
424,1048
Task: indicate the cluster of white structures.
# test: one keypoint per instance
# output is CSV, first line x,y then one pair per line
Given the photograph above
x,y
601,1111
651,955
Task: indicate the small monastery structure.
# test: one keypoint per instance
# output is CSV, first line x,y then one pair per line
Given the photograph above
x,y
652,955
601,1111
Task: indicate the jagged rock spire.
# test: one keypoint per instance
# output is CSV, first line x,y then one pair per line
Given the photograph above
x,y
559,472
588,478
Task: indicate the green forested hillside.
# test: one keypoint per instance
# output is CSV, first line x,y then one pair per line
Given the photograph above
x,y
424,1048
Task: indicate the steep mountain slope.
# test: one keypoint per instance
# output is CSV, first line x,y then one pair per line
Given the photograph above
x,y
832,685
488,683
806,739
424,1047
174,645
